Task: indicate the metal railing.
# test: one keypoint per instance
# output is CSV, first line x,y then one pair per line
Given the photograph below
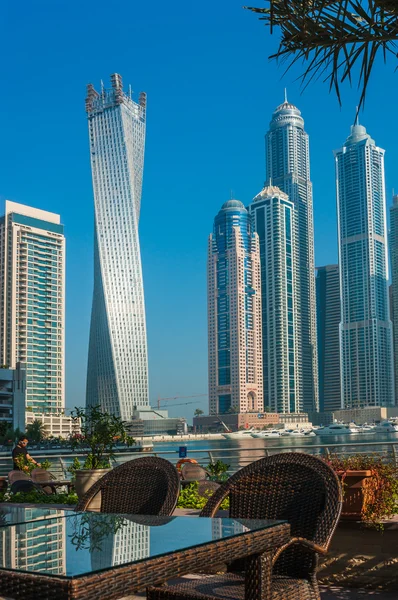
x,y
235,457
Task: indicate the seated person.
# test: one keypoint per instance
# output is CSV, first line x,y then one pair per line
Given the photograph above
x,y
20,450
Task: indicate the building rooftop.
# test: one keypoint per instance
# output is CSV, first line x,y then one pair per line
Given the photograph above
x,y
270,191
358,133
233,204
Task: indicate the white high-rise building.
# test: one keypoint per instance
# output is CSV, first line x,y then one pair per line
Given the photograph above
x,y
366,351
288,167
117,377
273,217
32,304
234,311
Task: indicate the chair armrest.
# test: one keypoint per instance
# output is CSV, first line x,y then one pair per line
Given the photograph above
x,y
303,542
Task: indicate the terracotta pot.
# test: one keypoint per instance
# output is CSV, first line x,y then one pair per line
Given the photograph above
x,y
85,478
354,484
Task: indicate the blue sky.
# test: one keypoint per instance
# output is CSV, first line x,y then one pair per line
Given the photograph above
x,y
211,92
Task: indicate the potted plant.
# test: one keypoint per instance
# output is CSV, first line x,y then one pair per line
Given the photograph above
x,y
370,487
99,434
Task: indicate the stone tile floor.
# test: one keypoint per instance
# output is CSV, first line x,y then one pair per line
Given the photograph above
x,y
327,593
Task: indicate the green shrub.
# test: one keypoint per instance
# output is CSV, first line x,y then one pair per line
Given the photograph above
x,y
34,497
218,470
190,498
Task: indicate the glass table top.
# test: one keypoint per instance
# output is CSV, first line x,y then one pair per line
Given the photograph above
x,y
13,515
82,543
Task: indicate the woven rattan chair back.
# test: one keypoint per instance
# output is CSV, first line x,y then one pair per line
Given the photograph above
x,y
144,486
18,476
192,471
40,475
296,487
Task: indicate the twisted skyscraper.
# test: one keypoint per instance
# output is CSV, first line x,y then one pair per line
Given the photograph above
x,y
117,377
288,168
367,377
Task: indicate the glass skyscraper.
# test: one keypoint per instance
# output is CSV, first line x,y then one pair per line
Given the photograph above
x,y
234,311
366,330
117,377
272,216
394,284
288,167
32,304
328,324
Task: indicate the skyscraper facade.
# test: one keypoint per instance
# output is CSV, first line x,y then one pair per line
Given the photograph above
x,y
367,375
328,324
234,312
272,216
288,167
32,303
117,376
394,285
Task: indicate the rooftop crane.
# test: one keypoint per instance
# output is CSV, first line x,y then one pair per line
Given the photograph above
x,y
159,400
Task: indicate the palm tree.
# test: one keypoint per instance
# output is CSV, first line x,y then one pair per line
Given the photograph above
x,y
36,431
333,36
198,412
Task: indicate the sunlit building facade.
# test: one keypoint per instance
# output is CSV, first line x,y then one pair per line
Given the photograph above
x,y
32,304
367,375
288,168
117,377
328,324
272,215
234,313
394,285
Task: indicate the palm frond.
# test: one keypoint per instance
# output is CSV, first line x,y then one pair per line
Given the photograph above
x,y
332,36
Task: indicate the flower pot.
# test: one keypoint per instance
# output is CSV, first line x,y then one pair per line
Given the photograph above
x,y
354,488
85,478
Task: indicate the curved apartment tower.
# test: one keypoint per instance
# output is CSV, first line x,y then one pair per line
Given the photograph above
x,y
288,167
366,352
117,376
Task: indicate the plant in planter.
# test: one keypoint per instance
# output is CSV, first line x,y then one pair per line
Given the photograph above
x,y
370,487
27,466
218,470
99,434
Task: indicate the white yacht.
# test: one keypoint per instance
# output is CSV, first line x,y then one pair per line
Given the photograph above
x,y
365,428
355,429
334,429
387,427
238,435
267,433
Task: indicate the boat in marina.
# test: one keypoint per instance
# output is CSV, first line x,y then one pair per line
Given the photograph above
x,y
238,435
267,433
334,429
387,427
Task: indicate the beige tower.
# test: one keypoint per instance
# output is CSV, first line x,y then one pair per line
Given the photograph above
x,y
234,308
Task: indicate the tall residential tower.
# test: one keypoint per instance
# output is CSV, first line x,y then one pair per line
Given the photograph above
x,y
394,284
288,167
117,377
272,219
32,303
234,310
366,331
328,325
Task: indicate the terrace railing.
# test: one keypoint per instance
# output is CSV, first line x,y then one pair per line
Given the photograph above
x,y
236,457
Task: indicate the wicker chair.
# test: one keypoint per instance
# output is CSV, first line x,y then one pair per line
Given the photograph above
x,y
193,472
295,487
143,486
40,475
22,482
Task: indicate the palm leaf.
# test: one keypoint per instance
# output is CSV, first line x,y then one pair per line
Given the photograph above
x,y
331,37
